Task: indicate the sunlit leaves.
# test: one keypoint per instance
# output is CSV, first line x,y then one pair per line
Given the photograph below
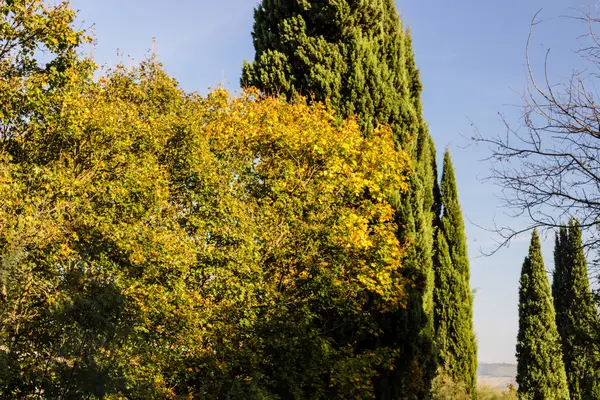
x,y
158,244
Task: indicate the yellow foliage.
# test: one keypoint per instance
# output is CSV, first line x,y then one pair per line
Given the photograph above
x,y
223,231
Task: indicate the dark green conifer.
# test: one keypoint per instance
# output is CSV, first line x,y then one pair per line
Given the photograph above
x,y
453,313
540,370
576,314
558,278
358,57
352,54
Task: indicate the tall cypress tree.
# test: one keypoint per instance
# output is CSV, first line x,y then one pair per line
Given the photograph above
x,y
540,369
352,54
453,299
423,203
576,315
357,56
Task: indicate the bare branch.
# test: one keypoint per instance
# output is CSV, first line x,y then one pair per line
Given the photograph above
x,y
549,167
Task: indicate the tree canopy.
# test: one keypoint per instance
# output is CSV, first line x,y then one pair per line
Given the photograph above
x,y
159,244
352,54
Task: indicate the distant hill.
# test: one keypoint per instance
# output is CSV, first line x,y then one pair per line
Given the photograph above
x,y
497,375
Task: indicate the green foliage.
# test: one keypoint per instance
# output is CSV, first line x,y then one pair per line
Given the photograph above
x,y
489,393
540,370
357,57
576,314
157,244
328,253
28,30
445,388
352,55
453,313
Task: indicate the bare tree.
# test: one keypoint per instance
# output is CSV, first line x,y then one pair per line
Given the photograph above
x,y
549,167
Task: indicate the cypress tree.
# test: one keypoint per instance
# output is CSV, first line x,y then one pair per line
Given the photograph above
x,y
540,369
349,53
453,312
576,315
558,277
358,57
422,210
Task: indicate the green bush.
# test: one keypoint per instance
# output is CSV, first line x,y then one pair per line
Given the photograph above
x,y
445,389
490,393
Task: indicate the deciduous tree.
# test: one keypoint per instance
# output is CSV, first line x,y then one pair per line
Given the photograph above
x,y
160,244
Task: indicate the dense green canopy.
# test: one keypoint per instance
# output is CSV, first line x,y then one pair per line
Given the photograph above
x,y
283,244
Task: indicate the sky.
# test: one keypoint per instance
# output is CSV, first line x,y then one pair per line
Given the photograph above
x,y
471,55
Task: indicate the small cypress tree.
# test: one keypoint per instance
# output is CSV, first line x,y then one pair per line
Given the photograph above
x,y
540,369
453,298
576,315
358,57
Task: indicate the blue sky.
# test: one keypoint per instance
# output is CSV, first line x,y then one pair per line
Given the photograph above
x,y
471,54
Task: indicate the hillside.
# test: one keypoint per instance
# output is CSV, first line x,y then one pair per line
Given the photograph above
x,y
497,375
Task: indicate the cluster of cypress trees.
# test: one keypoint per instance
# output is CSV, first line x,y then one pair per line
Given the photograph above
x,y
558,351
358,57
576,314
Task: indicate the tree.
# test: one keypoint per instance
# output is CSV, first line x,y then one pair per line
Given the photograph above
x,y
453,301
576,315
30,28
156,244
357,57
159,244
317,198
91,252
548,168
352,55
540,369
